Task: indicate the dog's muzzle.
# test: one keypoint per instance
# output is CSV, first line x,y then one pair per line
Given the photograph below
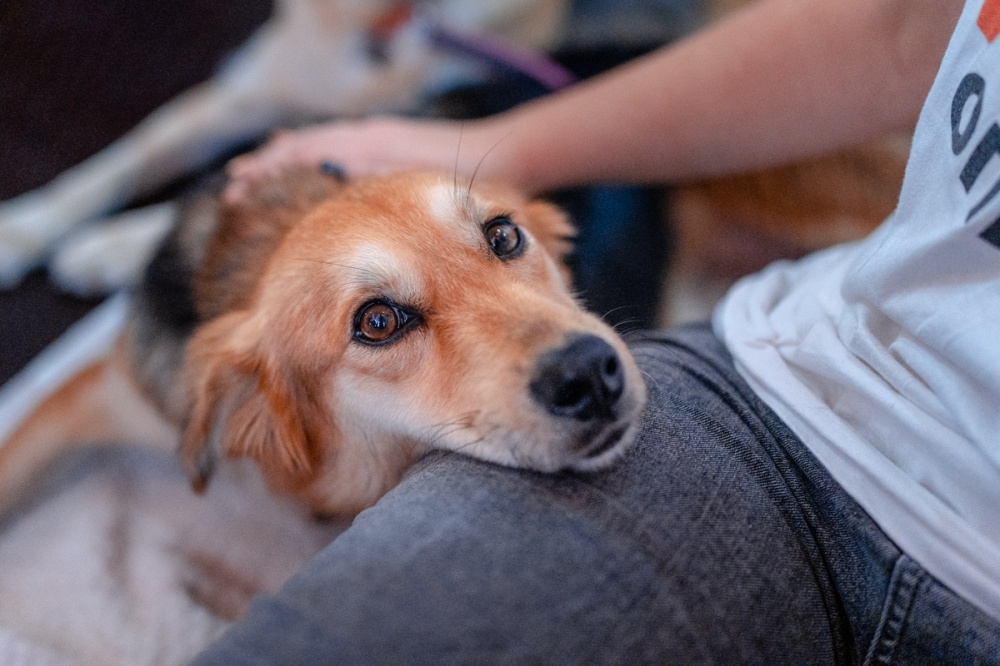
x,y
583,381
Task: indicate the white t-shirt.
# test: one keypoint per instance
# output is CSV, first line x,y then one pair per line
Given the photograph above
x,y
884,355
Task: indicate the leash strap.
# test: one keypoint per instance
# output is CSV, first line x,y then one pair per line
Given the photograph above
x,y
495,52
498,52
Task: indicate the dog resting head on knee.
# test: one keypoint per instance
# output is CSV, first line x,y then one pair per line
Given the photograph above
x,y
342,329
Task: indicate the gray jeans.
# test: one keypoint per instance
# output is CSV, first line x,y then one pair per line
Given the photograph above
x,y
719,539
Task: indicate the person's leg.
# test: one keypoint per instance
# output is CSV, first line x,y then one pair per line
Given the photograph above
x,y
717,539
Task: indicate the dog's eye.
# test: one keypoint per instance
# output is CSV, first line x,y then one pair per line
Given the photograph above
x,y
378,322
503,237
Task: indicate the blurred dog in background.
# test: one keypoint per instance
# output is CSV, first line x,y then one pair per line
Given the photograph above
x,y
730,227
384,58
312,59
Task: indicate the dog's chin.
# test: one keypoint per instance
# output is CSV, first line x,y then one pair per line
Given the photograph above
x,y
587,452
604,449
521,451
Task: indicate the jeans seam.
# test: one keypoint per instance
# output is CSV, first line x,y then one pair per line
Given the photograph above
x,y
903,586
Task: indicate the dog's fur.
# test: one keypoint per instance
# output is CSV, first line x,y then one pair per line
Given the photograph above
x,y
246,341
115,561
730,227
314,59
257,354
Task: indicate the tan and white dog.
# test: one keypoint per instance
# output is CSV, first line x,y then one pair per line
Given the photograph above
x,y
313,59
331,333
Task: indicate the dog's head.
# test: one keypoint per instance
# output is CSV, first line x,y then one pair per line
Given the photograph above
x,y
399,315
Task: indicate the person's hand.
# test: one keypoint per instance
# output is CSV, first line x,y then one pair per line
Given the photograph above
x,y
367,147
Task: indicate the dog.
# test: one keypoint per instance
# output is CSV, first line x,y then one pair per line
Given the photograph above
x,y
313,59
731,226
116,561
328,333
734,226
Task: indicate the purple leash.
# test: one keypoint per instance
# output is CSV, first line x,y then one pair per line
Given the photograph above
x,y
503,53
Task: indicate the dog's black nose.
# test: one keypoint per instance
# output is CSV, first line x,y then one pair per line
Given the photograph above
x,y
582,380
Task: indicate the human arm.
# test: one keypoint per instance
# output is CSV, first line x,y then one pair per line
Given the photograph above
x,y
778,81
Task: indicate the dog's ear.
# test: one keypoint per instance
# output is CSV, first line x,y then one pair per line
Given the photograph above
x,y
552,229
248,230
243,405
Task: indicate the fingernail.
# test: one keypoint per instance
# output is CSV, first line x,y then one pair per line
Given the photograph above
x,y
333,170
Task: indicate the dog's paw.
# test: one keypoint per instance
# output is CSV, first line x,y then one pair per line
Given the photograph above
x,y
25,238
18,255
111,255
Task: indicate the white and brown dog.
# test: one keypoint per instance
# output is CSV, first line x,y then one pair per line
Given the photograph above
x,y
313,59
333,332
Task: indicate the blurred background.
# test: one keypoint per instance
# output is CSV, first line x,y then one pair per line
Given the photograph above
x,y
74,76
77,74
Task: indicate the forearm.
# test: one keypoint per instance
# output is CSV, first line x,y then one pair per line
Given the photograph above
x,y
783,80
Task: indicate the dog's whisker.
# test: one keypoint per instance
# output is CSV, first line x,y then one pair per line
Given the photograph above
x,y
619,325
468,445
458,154
612,311
435,439
465,420
471,443
628,329
439,437
637,334
475,171
440,431
478,440
489,431
650,380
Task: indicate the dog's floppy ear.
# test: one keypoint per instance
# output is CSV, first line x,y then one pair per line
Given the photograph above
x,y
552,229
247,231
241,404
